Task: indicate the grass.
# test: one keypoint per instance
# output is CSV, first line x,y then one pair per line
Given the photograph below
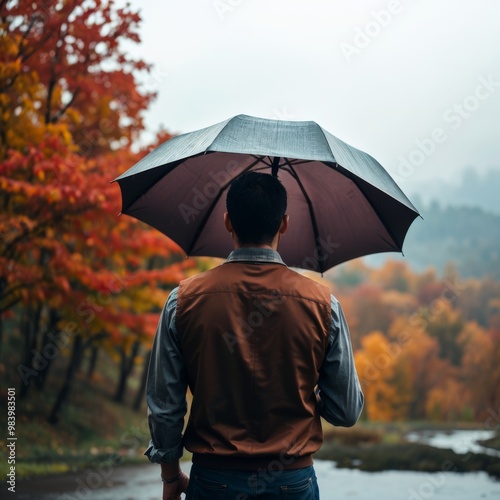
x,y
93,429
101,431
493,442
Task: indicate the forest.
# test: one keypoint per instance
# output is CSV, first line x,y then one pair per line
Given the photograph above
x,y
74,276
470,236
81,287
426,346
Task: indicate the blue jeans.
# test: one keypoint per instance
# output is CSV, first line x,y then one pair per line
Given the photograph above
x,y
211,484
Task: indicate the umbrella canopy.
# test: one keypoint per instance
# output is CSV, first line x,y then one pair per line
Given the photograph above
x,y
341,202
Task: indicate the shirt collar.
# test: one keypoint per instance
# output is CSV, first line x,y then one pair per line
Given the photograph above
x,y
255,255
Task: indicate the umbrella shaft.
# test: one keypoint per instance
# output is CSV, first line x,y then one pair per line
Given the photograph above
x,y
275,166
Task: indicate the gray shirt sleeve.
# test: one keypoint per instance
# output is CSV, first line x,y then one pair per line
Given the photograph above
x,y
166,389
339,391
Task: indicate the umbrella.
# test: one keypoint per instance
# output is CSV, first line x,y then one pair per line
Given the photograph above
x,y
341,202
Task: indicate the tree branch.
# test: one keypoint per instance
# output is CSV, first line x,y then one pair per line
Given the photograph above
x,y
64,108
9,305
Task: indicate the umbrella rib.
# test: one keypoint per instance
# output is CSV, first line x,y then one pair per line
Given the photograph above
x,y
212,206
262,159
308,201
353,178
150,184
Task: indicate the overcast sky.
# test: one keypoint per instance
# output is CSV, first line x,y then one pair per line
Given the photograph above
x,y
414,83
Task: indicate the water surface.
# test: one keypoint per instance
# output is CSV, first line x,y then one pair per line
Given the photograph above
x,y
142,482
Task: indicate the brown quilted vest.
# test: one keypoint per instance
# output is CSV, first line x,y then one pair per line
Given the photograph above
x,y
253,337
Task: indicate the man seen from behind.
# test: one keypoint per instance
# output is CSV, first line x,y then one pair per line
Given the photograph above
x,y
265,353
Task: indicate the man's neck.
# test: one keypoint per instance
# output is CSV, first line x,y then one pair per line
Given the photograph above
x,y
273,245
249,245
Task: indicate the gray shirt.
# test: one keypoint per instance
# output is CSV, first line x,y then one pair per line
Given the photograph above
x,y
339,391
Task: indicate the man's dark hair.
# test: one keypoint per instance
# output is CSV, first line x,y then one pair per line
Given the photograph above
x,y
256,204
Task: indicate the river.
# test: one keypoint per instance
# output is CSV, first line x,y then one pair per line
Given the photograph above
x,y
463,441
142,482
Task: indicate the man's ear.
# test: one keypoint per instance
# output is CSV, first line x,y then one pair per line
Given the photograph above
x,y
227,223
284,225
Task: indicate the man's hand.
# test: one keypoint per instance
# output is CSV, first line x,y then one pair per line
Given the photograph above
x,y
172,491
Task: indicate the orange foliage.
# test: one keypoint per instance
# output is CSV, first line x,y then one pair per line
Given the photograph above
x,y
394,275
368,309
446,402
70,107
375,362
481,367
428,361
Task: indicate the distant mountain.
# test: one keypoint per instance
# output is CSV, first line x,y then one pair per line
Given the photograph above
x,y
468,237
472,189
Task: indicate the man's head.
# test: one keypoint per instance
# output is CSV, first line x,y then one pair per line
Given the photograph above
x,y
256,206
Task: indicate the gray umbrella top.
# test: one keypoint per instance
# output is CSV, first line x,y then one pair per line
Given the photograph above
x,y
342,203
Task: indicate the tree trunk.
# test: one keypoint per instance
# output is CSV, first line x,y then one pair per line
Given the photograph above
x,y
50,349
29,329
142,388
33,360
92,361
1,332
126,366
71,370
3,284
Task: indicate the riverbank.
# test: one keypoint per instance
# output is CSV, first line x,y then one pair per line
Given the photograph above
x,y
364,462
408,457
371,449
143,482
97,432
94,430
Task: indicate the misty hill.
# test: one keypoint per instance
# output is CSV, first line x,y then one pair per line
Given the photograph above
x,y
472,189
468,237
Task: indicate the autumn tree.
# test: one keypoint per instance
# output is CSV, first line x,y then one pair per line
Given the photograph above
x,y
394,275
477,301
70,109
481,367
368,309
447,401
445,323
376,366
426,347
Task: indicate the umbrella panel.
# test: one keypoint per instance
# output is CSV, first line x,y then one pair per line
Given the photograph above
x,y
332,216
180,213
